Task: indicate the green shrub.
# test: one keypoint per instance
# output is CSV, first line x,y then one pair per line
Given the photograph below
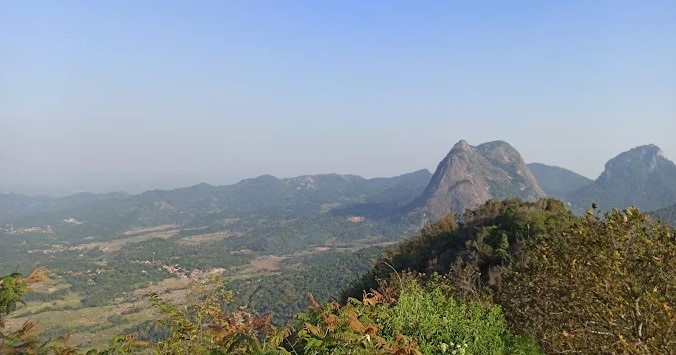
x,y
432,316
606,285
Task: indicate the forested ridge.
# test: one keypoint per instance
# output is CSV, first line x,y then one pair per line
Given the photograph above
x,y
510,277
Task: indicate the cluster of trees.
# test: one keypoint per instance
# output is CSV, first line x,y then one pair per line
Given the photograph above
x,y
516,278
284,295
604,285
590,284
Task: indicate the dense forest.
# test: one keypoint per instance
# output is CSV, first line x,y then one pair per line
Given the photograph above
x,y
510,277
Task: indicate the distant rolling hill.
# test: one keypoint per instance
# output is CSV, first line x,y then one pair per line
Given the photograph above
x,y
467,177
265,196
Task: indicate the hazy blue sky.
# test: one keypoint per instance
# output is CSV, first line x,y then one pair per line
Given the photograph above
x,y
109,95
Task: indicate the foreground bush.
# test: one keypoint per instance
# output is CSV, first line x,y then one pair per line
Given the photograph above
x,y
423,319
607,285
440,323
592,284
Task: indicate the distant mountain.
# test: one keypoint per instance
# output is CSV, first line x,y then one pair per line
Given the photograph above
x,y
666,214
470,176
400,190
392,195
261,197
558,182
642,177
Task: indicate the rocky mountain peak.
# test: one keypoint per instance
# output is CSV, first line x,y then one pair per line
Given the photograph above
x,y
642,177
462,145
644,152
469,176
641,160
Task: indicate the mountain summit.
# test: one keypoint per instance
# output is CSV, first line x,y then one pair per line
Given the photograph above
x,y
637,163
641,176
469,176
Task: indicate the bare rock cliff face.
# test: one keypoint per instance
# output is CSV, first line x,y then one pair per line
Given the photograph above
x,y
470,176
641,177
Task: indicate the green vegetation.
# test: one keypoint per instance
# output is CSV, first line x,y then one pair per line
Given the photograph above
x,y
604,286
432,316
476,252
588,284
98,276
270,236
425,319
284,294
512,277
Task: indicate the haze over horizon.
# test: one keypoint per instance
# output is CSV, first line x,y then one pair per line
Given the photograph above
x,y
136,96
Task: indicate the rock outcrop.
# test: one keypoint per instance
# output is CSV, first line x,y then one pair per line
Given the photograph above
x,y
469,176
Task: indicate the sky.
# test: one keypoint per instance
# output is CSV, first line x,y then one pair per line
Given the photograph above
x,y
136,95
